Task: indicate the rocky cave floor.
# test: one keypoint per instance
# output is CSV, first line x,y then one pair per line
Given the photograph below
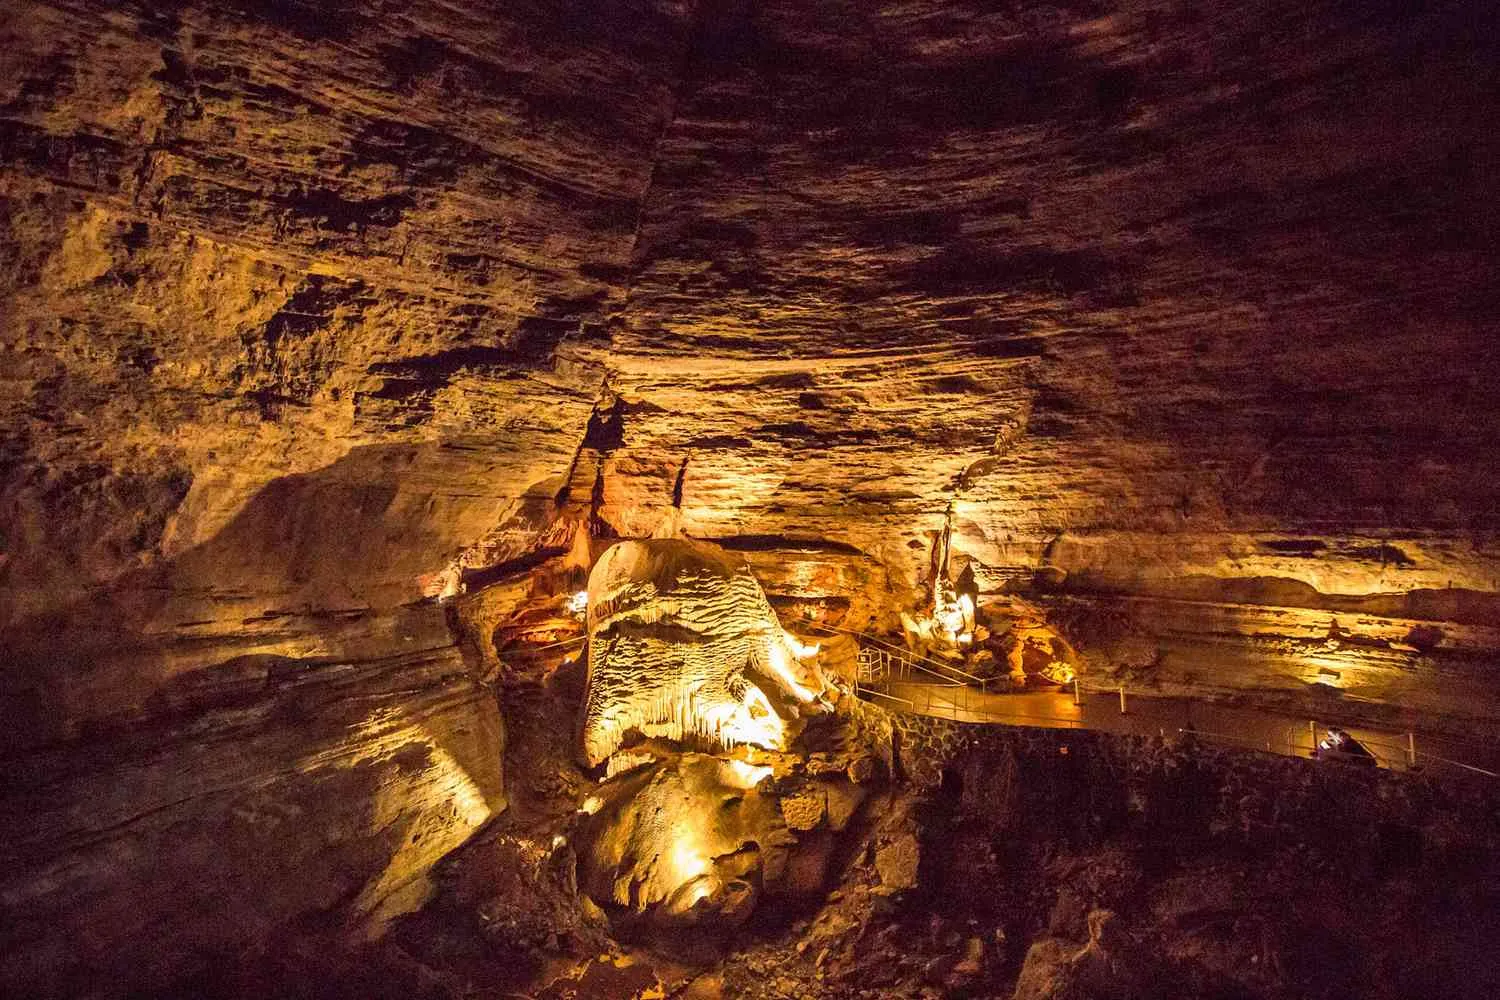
x,y
1017,863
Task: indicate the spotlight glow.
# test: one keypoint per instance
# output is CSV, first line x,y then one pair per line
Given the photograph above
x,y
748,775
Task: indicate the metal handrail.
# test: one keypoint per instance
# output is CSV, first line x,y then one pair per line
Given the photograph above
x,y
1457,763
1372,742
954,707
889,697
906,653
1247,740
1405,755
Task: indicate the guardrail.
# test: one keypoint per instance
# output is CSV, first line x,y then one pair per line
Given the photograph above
x,y
1394,754
965,703
910,661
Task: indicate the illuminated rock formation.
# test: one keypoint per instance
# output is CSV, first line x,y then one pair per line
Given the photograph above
x,y
693,839
683,643
684,841
316,314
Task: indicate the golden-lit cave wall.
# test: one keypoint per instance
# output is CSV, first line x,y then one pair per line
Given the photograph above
x,y
1187,309
326,279
301,302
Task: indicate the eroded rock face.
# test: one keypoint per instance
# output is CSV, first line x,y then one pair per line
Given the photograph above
x,y
684,648
1150,305
302,306
683,842
1109,274
243,240
1162,304
1150,302
276,792
684,847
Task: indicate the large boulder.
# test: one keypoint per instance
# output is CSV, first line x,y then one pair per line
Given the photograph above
x,y
686,841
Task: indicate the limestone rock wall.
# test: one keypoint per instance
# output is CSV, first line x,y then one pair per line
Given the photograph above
x,y
310,312
267,791
1144,292
244,240
301,307
1132,274
1155,295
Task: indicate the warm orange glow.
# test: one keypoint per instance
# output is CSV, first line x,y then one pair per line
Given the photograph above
x,y
952,616
716,688
444,778
748,775
781,666
799,650
1059,672
445,584
1326,671
752,721
685,861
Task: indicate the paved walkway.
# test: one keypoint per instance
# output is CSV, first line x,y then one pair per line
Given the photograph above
x,y
1054,708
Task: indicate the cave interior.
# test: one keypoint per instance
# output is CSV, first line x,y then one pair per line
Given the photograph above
x,y
750,498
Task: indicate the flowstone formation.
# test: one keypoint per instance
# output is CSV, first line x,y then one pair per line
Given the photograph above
x,y
686,655
691,840
684,644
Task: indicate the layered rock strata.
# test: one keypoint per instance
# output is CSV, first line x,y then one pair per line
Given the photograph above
x,y
268,791
315,312
302,306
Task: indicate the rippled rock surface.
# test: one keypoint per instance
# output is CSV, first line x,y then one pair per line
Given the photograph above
x,y
683,643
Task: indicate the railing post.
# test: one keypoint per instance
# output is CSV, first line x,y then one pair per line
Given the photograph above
x,y
1411,749
1077,695
1122,699
1312,738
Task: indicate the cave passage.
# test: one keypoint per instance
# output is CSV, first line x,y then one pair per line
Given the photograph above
x,y
778,499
